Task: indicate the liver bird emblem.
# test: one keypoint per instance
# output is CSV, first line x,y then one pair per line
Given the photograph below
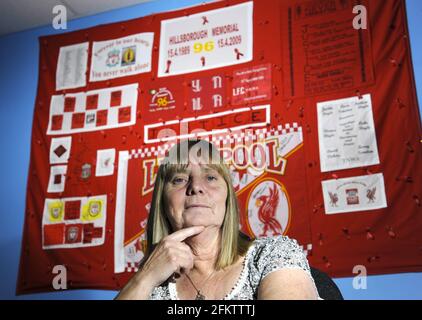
x,y
266,213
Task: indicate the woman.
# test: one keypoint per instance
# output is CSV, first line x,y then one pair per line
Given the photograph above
x,y
194,247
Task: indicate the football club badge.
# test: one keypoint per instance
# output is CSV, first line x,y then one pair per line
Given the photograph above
x,y
352,196
86,171
113,58
72,234
94,208
161,99
129,56
90,118
268,209
55,210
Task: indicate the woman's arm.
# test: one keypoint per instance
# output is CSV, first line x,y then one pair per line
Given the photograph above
x,y
169,256
287,284
138,288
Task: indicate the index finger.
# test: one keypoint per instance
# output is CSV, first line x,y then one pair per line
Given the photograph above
x,y
182,234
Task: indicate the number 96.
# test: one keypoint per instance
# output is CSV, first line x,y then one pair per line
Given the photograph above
x,y
198,46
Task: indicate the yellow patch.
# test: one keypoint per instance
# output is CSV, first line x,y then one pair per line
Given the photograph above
x,y
55,211
92,210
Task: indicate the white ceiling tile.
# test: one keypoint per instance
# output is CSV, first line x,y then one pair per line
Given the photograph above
x,y
18,15
85,8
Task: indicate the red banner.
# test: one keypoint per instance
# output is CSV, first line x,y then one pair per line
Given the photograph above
x,y
314,111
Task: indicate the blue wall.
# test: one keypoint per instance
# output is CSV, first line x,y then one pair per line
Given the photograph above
x,y
18,83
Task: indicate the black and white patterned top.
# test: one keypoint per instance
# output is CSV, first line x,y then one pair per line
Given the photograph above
x,y
263,256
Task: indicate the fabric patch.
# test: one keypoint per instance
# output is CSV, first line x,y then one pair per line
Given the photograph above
x,y
69,104
251,85
90,118
56,122
346,132
72,66
353,194
73,233
76,231
78,120
102,117
213,47
55,211
54,234
57,179
116,98
124,114
60,150
91,102
105,162
88,232
72,210
97,232
92,210
93,110
121,57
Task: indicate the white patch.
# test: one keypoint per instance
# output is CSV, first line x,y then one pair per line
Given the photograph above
x,y
206,40
346,133
268,209
60,150
104,115
68,226
354,194
57,179
72,66
121,57
105,162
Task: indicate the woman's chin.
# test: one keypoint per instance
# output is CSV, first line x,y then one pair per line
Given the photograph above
x,y
194,223
195,218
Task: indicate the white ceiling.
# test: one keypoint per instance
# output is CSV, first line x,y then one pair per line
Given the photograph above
x,y
18,15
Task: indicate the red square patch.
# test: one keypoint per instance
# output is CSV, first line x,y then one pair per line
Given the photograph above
x,y
69,104
97,232
73,233
124,114
72,210
78,120
116,98
56,122
251,84
53,234
102,118
88,231
91,102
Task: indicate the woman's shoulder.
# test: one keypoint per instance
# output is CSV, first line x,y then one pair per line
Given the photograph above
x,y
279,242
276,252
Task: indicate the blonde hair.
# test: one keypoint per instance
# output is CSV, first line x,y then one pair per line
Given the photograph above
x,y
233,243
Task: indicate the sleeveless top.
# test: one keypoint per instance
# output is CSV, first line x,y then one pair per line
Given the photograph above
x,y
264,256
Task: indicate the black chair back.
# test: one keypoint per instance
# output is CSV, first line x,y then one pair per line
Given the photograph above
x,y
327,289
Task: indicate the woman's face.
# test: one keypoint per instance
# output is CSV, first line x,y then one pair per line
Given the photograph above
x,y
195,197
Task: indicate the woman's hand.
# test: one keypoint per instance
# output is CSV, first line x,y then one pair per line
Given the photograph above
x,y
170,256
